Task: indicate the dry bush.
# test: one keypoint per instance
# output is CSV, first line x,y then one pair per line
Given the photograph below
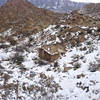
x,y
76,65
93,66
11,40
18,59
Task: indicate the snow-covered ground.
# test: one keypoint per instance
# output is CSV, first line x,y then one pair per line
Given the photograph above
x,y
74,76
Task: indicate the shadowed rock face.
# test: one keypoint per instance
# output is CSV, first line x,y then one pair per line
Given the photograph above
x,y
24,17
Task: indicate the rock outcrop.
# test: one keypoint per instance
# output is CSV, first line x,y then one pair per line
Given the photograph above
x,y
51,52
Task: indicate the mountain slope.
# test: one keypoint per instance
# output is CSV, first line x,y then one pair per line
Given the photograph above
x,y
22,17
75,75
92,9
61,6
25,75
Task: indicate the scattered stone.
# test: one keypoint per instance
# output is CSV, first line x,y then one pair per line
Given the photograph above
x,y
32,74
42,75
80,76
66,69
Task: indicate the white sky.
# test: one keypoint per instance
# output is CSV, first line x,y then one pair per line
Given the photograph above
x,y
91,1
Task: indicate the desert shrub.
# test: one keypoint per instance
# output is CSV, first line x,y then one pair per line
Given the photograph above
x,y
89,31
3,46
98,30
20,48
25,34
41,62
75,58
65,27
1,67
45,88
18,59
91,49
83,49
82,86
77,43
88,43
80,33
93,66
57,26
76,65
31,39
12,41
56,64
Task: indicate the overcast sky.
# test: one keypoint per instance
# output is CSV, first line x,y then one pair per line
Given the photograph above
x,y
92,1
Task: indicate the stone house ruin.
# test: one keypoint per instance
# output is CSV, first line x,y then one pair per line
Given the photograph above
x,y
45,55
51,52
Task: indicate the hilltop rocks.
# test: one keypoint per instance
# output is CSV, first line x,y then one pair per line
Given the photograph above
x,y
66,69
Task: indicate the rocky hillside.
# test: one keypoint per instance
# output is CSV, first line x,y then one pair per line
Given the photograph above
x,y
77,18
23,17
74,75
58,5
59,62
92,10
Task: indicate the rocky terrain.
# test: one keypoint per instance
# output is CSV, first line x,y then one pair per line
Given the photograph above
x,y
92,9
59,62
23,17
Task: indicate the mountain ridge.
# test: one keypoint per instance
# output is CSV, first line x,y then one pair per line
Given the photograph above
x,y
61,6
24,16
